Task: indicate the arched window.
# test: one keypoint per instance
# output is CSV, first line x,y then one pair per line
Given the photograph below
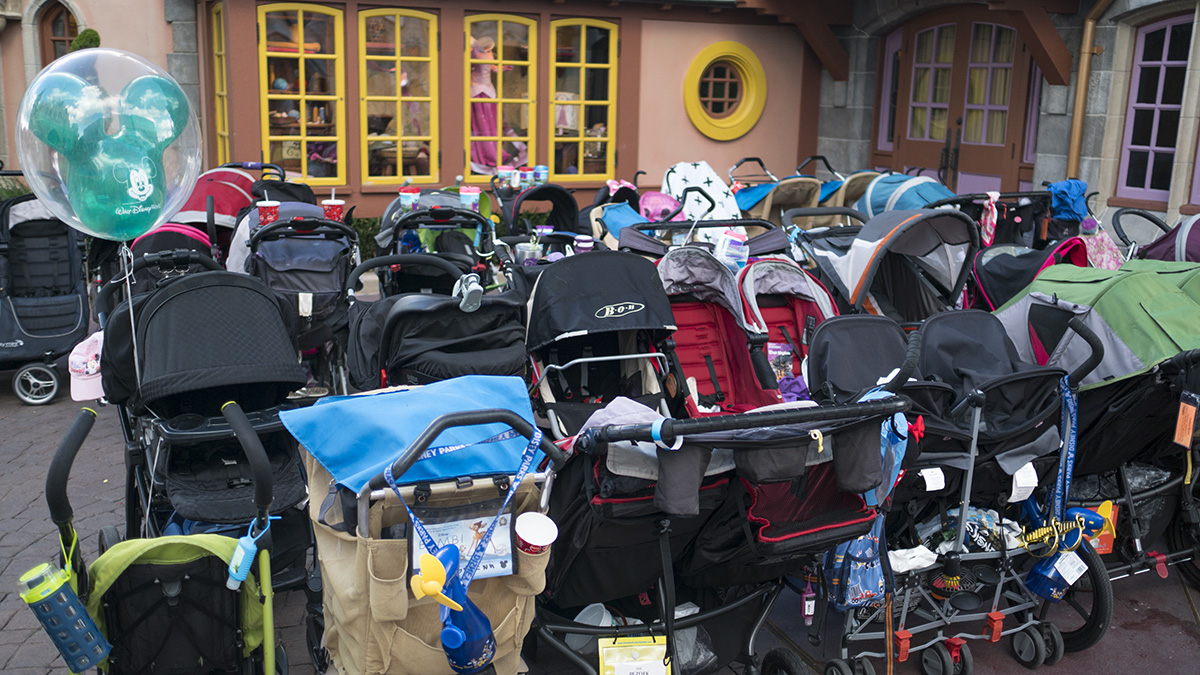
x,y
58,29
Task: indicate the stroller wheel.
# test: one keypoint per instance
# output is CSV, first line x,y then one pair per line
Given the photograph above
x,y
784,661
109,537
1182,537
35,384
863,666
834,667
1029,647
936,660
1055,649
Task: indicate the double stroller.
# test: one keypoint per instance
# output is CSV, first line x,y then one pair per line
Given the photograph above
x,y
43,296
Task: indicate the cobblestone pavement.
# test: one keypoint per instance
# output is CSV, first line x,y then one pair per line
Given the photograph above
x,y
1155,622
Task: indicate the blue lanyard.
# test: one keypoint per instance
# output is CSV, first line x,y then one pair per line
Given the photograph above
x,y
468,571
1066,468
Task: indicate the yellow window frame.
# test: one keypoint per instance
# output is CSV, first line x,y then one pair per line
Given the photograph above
x,y
302,98
220,83
609,138
397,60
754,91
530,139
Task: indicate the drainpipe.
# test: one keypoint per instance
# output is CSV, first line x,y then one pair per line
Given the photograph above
x,y
1082,82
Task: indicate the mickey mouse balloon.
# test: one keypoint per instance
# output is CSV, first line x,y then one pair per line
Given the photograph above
x,y
108,142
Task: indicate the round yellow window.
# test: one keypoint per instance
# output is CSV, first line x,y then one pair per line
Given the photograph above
x,y
725,91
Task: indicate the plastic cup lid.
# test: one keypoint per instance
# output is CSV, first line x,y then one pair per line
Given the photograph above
x,y
536,529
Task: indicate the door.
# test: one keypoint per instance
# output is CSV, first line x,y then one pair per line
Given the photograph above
x,y
961,104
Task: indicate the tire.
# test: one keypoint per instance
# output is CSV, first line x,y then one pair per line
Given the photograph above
x,y
785,662
1028,647
834,667
1055,648
935,660
109,537
35,384
966,662
1181,537
863,666
1083,626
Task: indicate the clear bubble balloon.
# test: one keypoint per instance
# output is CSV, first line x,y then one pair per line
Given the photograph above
x,y
109,142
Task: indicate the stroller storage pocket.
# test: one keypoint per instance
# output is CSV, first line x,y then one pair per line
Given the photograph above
x,y
387,568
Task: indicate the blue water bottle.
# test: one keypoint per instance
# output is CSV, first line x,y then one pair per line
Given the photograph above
x,y
47,590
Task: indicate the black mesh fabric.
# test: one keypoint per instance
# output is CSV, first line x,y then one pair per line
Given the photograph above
x,y
848,355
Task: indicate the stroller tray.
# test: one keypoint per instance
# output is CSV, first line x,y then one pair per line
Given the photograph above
x,y
191,428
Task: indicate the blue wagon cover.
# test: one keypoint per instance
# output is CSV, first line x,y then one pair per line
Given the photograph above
x,y
356,437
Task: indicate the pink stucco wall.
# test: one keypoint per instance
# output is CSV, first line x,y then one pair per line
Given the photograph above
x,y
666,136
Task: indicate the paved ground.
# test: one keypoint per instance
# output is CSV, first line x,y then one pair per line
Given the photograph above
x,y
1155,627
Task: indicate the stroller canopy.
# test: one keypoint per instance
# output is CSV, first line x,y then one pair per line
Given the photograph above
x,y
1185,275
1002,270
897,191
597,292
564,212
695,271
781,276
911,264
1181,244
230,190
1141,318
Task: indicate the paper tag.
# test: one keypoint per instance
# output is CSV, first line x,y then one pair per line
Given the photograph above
x,y
934,479
305,304
1185,422
497,560
1071,566
638,655
810,606
640,668
1024,481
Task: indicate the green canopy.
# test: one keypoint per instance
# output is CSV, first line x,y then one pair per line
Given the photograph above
x,y
1142,319
1185,275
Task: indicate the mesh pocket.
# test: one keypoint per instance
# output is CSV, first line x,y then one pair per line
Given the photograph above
x,y
48,317
802,511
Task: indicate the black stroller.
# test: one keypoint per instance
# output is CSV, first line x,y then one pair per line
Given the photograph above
x,y
201,340
43,296
307,261
459,236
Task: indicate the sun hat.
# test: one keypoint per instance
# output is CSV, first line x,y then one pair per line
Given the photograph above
x,y
84,364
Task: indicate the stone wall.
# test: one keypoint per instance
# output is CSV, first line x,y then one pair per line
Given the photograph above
x,y
183,61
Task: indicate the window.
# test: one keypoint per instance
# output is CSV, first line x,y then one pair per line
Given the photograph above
x,y
933,63
583,58
303,92
989,83
220,92
58,29
398,86
725,90
891,90
1155,103
501,84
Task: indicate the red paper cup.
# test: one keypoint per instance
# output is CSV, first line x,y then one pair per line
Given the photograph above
x,y
268,212
333,209
535,532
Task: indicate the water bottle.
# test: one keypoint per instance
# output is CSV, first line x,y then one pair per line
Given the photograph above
x,y
583,244
47,590
732,250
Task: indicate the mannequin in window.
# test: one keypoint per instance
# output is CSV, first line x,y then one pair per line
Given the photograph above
x,y
484,113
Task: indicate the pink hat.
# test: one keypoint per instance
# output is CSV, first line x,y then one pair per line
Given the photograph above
x,y
84,364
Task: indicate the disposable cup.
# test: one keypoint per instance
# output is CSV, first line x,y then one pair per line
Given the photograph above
x,y
535,532
268,212
333,209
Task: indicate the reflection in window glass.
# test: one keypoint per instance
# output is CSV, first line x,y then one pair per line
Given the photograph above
x,y
989,83
399,78
585,97
501,80
929,104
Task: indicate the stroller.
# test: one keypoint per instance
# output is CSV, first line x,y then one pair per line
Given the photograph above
x,y
981,424
897,191
563,215
459,236
1129,404
908,265
308,261
1001,271
293,198
1180,243
464,447
43,296
163,604
201,340
842,191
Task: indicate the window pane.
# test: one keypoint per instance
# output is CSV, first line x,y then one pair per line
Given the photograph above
x,y
924,47
483,40
58,27
286,154
414,78
596,120
515,45
566,120
566,158
514,119
283,74
381,118
981,43
1153,49
322,158
916,122
921,85
945,44
284,117
1006,43
1001,86
281,32
514,153
381,159
941,85
318,33
320,116
1172,90
1181,42
381,36
977,86
381,78
569,49
514,83
1160,177
1148,85
937,124
414,36
566,84
319,76
973,127
595,157
997,121
597,45
718,89
1168,128
1139,161
415,158
60,48
415,118
1143,127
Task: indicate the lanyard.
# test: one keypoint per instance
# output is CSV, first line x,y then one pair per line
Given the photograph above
x,y
472,566
1066,468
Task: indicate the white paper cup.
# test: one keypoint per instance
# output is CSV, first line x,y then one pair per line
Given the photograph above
x,y
535,532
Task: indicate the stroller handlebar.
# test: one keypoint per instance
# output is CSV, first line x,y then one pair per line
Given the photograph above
x,y
910,363
1076,324
813,211
428,259
60,467
693,189
260,465
176,259
672,428
318,226
1185,360
1145,215
465,419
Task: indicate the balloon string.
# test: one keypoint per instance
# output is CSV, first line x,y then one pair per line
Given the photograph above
x,y
127,276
